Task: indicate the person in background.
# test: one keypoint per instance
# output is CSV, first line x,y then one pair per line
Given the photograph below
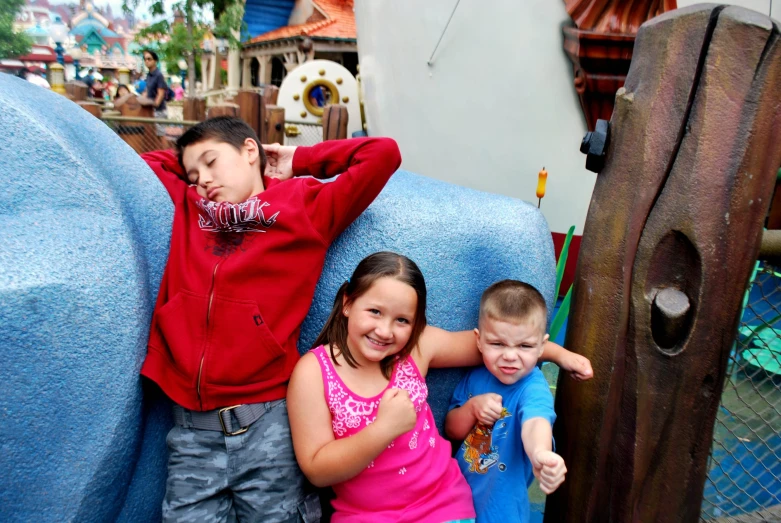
x,y
97,88
156,90
178,90
89,80
34,78
156,87
122,90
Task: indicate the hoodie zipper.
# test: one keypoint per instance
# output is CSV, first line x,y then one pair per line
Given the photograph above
x,y
208,315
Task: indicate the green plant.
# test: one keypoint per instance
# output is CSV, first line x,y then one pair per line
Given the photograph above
x,y
563,312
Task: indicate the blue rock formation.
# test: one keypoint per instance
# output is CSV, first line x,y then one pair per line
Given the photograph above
x,y
82,252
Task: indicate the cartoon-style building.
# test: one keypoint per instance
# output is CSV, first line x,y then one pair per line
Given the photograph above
x,y
287,33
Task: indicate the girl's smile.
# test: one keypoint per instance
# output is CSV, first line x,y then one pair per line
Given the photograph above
x,y
379,322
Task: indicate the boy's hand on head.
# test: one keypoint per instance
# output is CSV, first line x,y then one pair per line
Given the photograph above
x,y
578,367
487,408
549,469
279,161
396,412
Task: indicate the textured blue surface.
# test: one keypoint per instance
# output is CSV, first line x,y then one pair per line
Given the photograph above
x,y
83,247
463,240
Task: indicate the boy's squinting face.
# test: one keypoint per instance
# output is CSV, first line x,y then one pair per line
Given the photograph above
x,y
222,173
510,350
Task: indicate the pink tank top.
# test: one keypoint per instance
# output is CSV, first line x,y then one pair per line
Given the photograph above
x,y
415,478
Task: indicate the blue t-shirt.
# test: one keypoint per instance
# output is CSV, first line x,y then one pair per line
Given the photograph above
x,y
492,458
155,81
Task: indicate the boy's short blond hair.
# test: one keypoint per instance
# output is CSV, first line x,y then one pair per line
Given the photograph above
x,y
514,302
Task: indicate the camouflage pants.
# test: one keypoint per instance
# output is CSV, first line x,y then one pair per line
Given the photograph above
x,y
248,477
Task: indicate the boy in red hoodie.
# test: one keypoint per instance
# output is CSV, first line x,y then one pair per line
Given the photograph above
x,y
246,253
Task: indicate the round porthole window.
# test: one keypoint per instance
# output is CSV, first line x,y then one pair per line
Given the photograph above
x,y
319,93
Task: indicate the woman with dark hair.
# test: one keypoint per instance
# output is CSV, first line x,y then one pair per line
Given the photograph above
x,y
122,90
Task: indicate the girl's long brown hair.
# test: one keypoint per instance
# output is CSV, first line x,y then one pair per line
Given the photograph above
x,y
370,269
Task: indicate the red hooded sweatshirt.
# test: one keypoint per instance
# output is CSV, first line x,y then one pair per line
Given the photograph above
x,y
240,277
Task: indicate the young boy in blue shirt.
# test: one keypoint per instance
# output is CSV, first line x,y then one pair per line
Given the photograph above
x,y
504,410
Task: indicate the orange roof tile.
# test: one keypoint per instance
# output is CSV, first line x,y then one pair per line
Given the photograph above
x,y
339,23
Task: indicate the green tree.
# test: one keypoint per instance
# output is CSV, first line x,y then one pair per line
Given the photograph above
x,y
11,44
185,40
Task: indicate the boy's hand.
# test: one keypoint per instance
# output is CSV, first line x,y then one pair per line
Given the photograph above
x,y
279,161
549,470
579,367
396,412
486,408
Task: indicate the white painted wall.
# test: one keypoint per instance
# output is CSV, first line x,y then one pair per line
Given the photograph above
x,y
496,106
498,103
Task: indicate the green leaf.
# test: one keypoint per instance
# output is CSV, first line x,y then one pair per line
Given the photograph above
x,y
562,263
12,44
561,315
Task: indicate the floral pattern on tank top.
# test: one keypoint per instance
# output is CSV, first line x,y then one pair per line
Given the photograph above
x,y
349,411
417,466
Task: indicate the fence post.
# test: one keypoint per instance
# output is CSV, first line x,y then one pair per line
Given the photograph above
x,y
91,107
194,109
275,129
77,90
334,122
670,240
141,137
270,95
250,110
223,109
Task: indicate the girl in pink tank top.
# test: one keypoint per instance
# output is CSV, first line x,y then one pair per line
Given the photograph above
x,y
357,403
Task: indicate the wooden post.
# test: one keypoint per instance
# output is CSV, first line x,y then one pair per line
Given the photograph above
x,y
270,95
142,137
77,90
250,106
275,130
194,109
670,241
91,107
334,122
223,109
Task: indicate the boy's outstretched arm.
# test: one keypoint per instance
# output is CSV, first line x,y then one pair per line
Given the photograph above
x,y
579,367
549,468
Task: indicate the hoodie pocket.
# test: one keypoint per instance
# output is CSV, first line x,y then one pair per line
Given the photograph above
x,y
242,348
181,322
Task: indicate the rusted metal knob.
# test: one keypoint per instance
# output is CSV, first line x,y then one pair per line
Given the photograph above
x,y
594,146
670,317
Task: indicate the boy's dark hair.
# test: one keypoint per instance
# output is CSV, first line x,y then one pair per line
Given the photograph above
x,y
512,301
223,129
152,54
369,270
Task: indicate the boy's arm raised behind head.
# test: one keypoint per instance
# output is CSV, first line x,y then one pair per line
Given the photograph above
x,y
165,165
364,166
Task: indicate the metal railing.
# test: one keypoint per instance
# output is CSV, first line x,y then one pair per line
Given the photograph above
x,y
745,465
297,133
147,134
